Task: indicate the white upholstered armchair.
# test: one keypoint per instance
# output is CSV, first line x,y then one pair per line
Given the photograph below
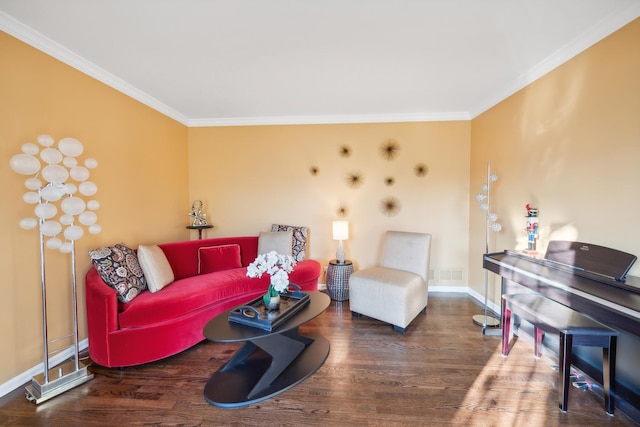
x,y
396,290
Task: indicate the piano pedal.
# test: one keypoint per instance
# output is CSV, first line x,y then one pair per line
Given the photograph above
x,y
582,385
575,375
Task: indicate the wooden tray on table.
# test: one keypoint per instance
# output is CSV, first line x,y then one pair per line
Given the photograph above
x,y
256,315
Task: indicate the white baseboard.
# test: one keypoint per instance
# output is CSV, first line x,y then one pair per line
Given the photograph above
x,y
26,376
465,290
479,297
449,289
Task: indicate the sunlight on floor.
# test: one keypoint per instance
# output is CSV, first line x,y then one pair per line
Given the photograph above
x,y
532,389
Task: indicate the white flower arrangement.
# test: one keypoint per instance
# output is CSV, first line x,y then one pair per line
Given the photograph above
x,y
276,265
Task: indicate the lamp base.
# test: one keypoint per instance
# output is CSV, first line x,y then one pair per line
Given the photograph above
x,y
65,377
340,255
485,321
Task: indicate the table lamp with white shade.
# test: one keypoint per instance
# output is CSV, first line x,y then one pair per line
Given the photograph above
x,y
340,233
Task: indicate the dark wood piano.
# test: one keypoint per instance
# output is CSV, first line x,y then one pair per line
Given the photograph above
x,y
588,278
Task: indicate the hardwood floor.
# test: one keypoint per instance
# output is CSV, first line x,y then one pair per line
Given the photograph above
x,y
442,372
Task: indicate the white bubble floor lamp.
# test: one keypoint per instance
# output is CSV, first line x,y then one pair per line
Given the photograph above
x,y
56,186
489,323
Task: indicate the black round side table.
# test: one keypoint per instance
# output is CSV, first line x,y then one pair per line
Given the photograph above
x,y
199,228
338,279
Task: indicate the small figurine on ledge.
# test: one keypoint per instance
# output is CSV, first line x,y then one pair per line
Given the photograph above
x,y
532,230
199,218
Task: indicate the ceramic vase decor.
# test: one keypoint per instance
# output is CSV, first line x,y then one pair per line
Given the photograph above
x,y
271,302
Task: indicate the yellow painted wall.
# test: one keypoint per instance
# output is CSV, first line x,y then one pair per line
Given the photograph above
x,y
250,177
569,144
141,177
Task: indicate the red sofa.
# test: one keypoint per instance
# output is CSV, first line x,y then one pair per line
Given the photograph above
x,y
156,325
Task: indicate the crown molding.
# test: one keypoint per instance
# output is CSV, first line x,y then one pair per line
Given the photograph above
x,y
329,119
39,41
608,25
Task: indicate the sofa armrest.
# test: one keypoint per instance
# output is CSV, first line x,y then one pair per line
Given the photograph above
x,y
306,274
102,315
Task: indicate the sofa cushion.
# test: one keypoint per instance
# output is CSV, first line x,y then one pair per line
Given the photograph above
x,y
156,268
194,293
279,241
217,258
188,295
119,268
298,239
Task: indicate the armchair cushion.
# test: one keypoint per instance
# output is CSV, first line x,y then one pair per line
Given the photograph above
x,y
408,252
393,296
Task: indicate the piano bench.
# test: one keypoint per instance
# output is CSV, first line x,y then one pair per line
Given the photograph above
x,y
573,328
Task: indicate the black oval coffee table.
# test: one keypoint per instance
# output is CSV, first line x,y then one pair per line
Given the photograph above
x,y
269,362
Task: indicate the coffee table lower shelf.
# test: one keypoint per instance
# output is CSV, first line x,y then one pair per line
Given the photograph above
x,y
238,382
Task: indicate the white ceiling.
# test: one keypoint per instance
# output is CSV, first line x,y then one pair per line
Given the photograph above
x,y
231,62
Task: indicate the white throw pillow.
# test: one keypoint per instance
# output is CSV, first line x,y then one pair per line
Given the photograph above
x,y
155,266
279,241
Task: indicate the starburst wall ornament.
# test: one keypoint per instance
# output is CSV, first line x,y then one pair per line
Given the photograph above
x,y
390,149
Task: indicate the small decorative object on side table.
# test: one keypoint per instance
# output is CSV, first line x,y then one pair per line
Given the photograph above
x,y
338,279
199,218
